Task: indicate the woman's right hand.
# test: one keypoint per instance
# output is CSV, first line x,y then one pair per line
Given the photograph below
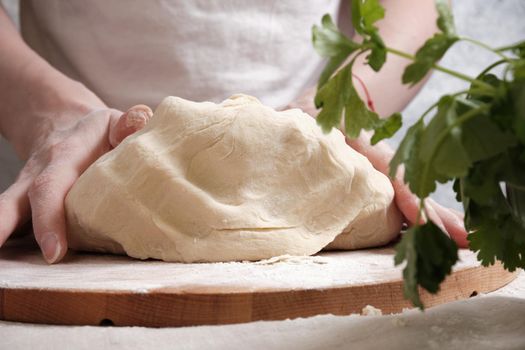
x,y
58,156
60,127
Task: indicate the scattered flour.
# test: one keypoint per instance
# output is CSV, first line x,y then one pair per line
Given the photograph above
x,y
292,259
369,310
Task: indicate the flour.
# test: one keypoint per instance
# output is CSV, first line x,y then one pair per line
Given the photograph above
x,y
293,259
99,272
369,310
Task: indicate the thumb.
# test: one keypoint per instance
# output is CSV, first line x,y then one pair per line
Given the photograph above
x,y
134,119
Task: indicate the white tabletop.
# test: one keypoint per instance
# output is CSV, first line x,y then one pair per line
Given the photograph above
x,y
496,321
492,321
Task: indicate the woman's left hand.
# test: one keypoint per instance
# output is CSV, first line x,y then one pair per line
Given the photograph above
x,y
449,220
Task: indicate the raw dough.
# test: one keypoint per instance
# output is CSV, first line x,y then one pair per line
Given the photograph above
x,y
229,181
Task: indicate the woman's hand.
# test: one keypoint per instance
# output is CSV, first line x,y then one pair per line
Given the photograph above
x,y
60,127
59,155
402,30
449,220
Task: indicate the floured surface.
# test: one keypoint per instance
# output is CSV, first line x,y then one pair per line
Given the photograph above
x,y
478,323
22,267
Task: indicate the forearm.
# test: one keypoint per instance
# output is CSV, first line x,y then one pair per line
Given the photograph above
x,y
33,94
402,30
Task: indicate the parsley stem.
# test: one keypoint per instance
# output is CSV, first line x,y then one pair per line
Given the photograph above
x,y
434,105
465,117
509,47
422,209
493,65
485,46
506,48
401,53
453,73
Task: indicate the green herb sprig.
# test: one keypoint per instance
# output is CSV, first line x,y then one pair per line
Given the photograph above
x,y
474,138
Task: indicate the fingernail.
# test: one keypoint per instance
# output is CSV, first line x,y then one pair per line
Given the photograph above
x,y
138,116
135,119
50,248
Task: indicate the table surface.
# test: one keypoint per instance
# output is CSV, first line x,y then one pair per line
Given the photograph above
x,y
492,321
87,289
439,328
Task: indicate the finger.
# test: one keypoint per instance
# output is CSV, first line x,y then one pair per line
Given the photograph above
x,y
453,222
46,197
132,120
68,159
460,215
434,217
407,202
14,208
14,203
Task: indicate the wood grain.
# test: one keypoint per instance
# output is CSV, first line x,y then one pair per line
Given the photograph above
x,y
78,301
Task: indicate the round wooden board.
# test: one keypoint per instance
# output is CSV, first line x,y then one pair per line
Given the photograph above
x,y
91,289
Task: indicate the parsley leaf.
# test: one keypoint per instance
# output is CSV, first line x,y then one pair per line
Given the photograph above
x,y
516,199
332,98
338,96
445,21
477,142
329,42
497,235
377,56
491,243
434,48
431,52
482,138
386,128
517,93
446,155
408,153
495,215
429,254
482,184
490,133
364,15
407,147
406,251
357,115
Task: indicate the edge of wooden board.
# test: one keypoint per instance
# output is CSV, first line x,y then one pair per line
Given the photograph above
x,y
167,307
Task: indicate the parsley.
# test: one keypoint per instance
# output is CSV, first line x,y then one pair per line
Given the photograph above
x,y
434,48
336,95
430,268
475,138
328,42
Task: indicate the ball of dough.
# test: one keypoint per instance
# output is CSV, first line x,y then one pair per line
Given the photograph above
x,y
206,182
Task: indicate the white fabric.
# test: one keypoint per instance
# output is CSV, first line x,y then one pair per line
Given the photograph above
x,y
479,323
142,51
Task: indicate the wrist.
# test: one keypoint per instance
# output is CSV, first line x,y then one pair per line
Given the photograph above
x,y
43,100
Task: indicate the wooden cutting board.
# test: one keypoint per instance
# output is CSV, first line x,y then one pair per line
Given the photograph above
x,y
93,289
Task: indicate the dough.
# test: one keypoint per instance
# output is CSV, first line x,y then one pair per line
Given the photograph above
x,y
229,181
